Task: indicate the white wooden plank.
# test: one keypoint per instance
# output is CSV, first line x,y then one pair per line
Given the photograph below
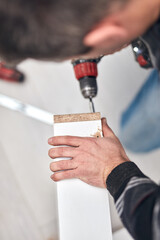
x,y
83,209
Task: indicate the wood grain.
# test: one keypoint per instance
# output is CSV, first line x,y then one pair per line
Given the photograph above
x,y
77,117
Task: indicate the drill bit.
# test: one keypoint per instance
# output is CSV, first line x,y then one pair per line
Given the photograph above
x,y
91,104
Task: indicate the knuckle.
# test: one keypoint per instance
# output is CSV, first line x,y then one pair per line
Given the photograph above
x,y
64,175
60,151
67,138
61,164
67,175
87,140
80,172
74,164
77,159
76,172
65,164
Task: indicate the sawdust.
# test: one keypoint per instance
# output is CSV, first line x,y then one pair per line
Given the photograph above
x,y
97,134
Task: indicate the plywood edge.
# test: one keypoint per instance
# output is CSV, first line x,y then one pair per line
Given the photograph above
x,y
76,117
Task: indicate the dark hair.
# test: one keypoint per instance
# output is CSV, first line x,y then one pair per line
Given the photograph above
x,y
47,29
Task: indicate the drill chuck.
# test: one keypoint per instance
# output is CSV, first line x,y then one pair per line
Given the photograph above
x,y
86,72
88,86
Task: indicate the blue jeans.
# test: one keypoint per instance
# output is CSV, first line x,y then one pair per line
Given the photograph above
x,y
140,123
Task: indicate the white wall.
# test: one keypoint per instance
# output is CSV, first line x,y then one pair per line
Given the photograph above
x,y
53,88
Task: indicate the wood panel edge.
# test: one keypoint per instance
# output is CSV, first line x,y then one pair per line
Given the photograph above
x,y
80,117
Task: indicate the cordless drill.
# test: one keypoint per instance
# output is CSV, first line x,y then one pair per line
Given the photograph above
x,y
142,54
9,74
86,69
86,73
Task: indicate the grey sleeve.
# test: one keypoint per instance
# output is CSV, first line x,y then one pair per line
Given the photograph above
x,y
137,200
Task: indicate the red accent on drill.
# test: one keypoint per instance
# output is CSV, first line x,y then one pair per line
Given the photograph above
x,y
10,74
86,69
142,61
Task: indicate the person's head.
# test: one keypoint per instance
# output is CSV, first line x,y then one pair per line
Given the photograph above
x,y
61,29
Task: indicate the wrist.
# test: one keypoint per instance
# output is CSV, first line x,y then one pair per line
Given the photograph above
x,y
108,170
120,176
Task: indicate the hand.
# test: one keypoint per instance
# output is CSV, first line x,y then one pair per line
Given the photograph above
x,y
91,159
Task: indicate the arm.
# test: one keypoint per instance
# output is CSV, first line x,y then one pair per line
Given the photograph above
x,y
93,161
137,200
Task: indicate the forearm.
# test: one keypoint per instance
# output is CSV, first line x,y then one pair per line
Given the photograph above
x,y
137,199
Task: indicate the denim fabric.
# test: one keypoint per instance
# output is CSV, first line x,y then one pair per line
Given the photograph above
x,y
140,123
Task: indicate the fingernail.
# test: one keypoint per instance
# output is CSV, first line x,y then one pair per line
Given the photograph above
x,y
50,140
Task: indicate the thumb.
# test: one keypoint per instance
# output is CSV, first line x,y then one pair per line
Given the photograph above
x,y
107,132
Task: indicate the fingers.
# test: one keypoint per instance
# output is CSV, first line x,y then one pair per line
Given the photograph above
x,y
62,152
107,131
63,175
65,140
63,165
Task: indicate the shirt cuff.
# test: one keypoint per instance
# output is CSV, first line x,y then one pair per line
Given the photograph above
x,y
120,176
